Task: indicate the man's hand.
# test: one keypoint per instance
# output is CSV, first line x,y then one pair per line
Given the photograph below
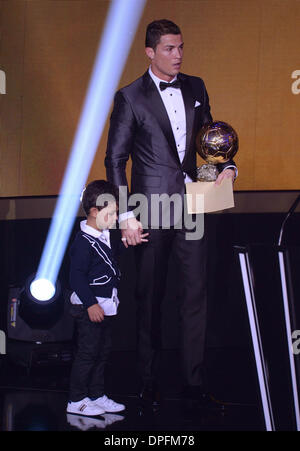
x,y
132,232
96,313
226,174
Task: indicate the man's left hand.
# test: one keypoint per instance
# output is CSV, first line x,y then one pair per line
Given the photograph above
x,y
226,174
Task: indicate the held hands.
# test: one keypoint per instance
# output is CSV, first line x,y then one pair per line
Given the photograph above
x,y
96,313
132,232
226,174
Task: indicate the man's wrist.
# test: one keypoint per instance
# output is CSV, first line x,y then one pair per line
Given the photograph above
x,y
125,216
234,168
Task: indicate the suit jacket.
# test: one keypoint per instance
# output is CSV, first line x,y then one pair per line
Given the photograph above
x,y
140,128
93,269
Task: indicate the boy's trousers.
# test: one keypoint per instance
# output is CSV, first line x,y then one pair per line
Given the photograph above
x,y
93,349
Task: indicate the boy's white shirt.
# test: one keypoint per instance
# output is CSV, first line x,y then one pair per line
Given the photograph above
x,y
109,305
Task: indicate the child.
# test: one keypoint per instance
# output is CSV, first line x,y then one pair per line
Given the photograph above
x,y
94,277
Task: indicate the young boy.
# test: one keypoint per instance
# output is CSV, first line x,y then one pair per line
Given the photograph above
x,y
94,277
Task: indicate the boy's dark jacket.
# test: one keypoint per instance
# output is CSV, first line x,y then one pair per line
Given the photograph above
x,y
93,271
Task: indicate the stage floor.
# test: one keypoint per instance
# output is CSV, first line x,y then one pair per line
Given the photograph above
x,y
36,400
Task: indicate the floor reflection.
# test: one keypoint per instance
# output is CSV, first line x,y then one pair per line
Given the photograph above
x,y
36,400
46,411
86,423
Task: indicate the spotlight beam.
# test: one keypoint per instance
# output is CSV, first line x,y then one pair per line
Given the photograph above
x,y
121,24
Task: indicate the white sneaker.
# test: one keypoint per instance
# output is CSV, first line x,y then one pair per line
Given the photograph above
x,y
108,404
85,407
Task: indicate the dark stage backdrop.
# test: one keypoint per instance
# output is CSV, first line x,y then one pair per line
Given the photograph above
x,y
21,243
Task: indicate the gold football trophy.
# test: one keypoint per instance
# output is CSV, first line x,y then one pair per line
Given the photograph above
x,y
217,142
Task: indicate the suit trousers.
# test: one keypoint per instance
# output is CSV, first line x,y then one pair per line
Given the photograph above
x,y
93,349
152,268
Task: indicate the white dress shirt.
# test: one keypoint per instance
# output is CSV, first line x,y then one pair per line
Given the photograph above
x,y
173,102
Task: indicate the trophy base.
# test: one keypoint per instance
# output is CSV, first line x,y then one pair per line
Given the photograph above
x,y
207,173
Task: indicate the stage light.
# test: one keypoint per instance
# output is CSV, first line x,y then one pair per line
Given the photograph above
x,y
42,289
122,21
31,320
39,303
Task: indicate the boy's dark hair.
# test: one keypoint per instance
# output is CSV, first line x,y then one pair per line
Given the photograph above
x,y
159,28
94,190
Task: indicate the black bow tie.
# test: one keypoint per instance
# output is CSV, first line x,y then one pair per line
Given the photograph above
x,y
163,85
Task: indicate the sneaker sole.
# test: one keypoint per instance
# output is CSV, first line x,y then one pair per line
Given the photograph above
x,y
117,410
76,412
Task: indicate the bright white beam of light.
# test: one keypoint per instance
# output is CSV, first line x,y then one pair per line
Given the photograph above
x,y
42,289
121,24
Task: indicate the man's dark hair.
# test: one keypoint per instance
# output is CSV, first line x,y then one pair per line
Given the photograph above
x,y
157,29
90,197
